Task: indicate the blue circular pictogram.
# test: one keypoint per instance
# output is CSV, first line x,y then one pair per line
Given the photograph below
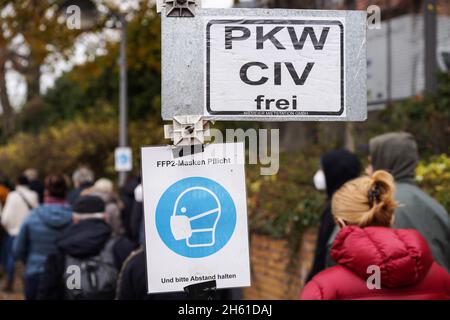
x,y
123,159
195,217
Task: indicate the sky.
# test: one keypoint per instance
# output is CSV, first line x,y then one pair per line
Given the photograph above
x,y
217,3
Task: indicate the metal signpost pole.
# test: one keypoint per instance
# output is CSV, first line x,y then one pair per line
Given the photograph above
x,y
89,14
123,117
389,55
430,46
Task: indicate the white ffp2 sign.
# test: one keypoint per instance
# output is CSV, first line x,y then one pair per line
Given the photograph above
x,y
275,67
123,159
195,211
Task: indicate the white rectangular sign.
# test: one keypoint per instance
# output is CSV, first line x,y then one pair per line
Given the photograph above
x,y
195,217
275,67
255,64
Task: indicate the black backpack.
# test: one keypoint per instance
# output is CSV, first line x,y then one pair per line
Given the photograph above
x,y
98,276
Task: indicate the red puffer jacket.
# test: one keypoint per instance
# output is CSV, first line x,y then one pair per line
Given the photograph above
x,y
406,267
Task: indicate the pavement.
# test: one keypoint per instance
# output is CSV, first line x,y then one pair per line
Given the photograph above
x,y
17,293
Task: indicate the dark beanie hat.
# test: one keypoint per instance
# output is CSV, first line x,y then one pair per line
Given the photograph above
x,y
339,166
88,204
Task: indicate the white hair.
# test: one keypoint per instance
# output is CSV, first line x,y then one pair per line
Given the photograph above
x,y
104,185
31,174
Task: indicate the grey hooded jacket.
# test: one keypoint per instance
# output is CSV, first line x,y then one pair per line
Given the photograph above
x,y
397,153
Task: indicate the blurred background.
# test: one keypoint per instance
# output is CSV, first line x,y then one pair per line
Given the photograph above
x,y
60,97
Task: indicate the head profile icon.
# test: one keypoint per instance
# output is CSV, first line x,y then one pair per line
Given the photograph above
x,y
195,215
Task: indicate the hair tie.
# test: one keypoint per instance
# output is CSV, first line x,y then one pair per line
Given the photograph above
x,y
374,195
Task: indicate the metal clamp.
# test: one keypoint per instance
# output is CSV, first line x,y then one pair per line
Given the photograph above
x,y
180,8
188,130
202,291
188,134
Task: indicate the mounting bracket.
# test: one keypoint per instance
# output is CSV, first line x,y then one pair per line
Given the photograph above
x,y
180,8
188,130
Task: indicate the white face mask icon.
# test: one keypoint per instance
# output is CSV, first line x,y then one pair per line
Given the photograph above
x,y
195,215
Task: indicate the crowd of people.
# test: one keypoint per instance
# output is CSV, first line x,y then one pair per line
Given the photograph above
x,y
73,244
383,222
88,242
81,244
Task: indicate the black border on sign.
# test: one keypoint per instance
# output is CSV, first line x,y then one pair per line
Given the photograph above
x,y
270,113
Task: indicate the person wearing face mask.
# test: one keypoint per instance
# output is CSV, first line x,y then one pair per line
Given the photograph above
x,y
337,167
397,153
374,260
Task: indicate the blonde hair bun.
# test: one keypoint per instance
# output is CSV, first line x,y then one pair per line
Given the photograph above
x,y
366,201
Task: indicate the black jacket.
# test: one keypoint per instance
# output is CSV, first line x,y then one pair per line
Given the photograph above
x,y
38,187
75,193
339,166
83,240
126,195
132,284
136,219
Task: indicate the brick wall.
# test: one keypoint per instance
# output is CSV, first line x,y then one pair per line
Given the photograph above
x,y
269,263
